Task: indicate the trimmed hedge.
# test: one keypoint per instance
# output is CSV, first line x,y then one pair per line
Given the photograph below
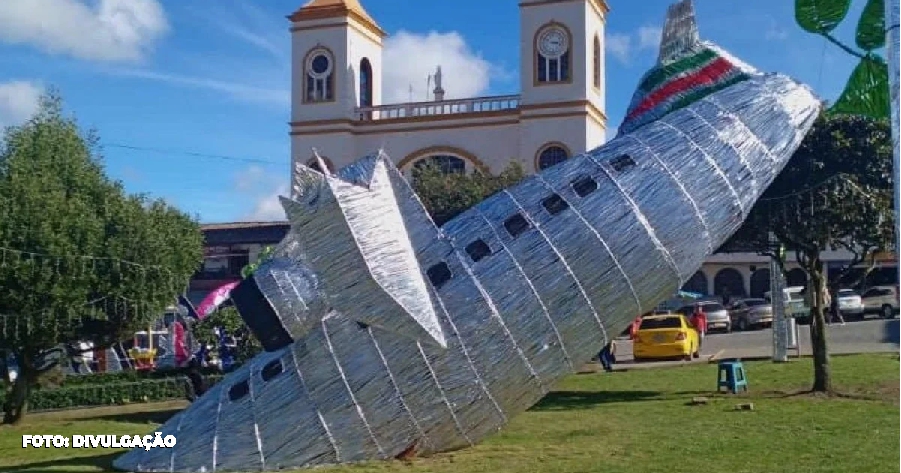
x,y
80,394
130,376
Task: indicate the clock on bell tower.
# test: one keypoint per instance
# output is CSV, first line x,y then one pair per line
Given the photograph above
x,y
562,75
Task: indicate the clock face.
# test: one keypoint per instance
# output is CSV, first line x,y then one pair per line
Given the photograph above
x,y
552,42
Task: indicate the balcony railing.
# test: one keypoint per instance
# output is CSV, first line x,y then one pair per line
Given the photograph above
x,y
444,107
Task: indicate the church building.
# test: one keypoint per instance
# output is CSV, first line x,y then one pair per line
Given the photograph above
x,y
337,106
337,109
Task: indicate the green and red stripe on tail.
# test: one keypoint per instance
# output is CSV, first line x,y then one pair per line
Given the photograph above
x,y
679,83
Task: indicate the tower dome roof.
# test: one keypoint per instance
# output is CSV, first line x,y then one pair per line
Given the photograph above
x,y
320,9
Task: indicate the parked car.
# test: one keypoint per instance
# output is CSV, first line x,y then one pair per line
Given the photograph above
x,y
717,315
627,332
850,303
751,313
795,305
882,300
665,336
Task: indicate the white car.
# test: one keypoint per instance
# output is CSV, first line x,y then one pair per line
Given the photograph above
x,y
850,303
882,300
795,305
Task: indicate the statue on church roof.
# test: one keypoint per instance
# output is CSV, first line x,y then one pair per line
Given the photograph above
x,y
439,91
386,336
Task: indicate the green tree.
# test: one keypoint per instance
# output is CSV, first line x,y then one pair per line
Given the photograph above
x,y
867,90
834,193
82,259
264,255
229,319
446,195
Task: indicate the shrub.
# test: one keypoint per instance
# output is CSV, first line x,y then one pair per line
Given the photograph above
x,y
83,394
129,376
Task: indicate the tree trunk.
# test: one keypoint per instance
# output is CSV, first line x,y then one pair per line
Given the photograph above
x,y
16,404
822,376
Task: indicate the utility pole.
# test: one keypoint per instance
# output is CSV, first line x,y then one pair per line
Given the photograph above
x,y
785,327
777,299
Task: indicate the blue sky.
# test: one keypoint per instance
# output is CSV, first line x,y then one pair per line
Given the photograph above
x,y
175,87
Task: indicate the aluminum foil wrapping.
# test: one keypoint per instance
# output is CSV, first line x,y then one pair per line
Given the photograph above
x,y
398,336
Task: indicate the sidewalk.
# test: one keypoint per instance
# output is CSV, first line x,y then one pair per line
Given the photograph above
x,y
625,361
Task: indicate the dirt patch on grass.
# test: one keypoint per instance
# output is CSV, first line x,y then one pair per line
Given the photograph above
x,y
887,391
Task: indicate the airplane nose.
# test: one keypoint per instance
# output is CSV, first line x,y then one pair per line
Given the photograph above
x,y
262,410
192,424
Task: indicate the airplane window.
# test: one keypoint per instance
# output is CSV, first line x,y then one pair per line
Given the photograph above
x,y
439,274
516,225
239,390
554,204
478,250
584,186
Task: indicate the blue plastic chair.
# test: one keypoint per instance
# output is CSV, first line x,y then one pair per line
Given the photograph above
x,y
731,375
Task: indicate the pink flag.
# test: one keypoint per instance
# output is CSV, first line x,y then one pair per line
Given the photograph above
x,y
215,299
180,349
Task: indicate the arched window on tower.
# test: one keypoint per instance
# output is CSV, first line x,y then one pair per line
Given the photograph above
x,y
365,83
552,54
596,62
319,77
551,155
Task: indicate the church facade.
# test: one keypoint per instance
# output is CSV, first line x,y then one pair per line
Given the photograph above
x,y
337,106
337,109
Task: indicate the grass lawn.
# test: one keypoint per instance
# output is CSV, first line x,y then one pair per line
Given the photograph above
x,y
625,422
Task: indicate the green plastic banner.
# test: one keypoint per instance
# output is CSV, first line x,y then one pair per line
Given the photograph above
x,y
820,16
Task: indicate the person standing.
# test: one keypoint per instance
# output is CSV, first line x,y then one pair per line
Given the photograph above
x,y
607,356
835,310
699,322
634,326
196,385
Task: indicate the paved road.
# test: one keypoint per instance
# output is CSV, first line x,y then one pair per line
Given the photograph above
x,y
872,335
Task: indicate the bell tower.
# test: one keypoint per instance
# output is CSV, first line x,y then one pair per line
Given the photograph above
x,y
336,68
562,75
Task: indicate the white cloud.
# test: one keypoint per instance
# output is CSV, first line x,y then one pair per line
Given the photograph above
x,y
246,92
19,100
231,69
250,179
264,189
247,23
649,37
625,46
268,208
774,32
409,59
102,30
620,45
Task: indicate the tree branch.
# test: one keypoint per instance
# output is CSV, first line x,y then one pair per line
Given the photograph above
x,y
835,41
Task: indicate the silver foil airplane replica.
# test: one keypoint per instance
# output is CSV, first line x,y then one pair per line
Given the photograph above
x,y
385,334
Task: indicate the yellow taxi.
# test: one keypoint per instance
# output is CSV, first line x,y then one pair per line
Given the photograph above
x,y
665,336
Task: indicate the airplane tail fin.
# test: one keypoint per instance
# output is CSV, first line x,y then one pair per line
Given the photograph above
x,y
687,70
680,32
